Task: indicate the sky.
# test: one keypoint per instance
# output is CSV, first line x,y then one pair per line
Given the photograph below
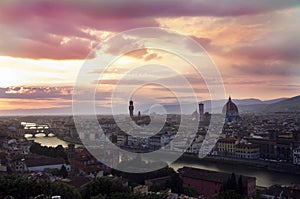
x,y
44,44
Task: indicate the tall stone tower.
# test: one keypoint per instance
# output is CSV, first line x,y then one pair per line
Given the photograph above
x,y
201,111
131,108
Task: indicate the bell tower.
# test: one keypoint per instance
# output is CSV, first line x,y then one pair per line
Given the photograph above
x,y
131,108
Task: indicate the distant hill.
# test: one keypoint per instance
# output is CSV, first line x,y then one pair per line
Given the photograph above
x,y
250,105
287,105
275,100
245,105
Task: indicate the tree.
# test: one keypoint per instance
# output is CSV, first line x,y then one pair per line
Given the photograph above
x,y
21,187
104,186
141,177
240,188
230,194
58,151
231,183
63,171
99,196
175,183
189,191
156,187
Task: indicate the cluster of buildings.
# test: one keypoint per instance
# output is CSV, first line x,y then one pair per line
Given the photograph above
x,y
231,147
270,136
250,137
281,191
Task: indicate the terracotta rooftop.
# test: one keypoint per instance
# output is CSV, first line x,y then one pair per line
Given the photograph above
x,y
207,175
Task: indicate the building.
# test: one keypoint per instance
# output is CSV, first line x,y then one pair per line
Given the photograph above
x,y
24,163
209,183
231,111
139,119
280,191
275,146
226,147
247,151
231,147
296,156
86,164
155,142
122,139
42,163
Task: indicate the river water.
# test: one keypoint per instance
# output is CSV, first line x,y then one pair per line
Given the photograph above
x,y
264,177
48,141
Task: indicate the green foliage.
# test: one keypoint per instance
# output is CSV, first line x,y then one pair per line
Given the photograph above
x,y
54,171
240,188
21,187
231,183
230,194
141,177
189,191
58,151
175,183
100,188
104,186
99,196
135,196
63,171
156,187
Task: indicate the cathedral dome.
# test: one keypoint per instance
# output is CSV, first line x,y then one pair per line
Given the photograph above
x,y
230,108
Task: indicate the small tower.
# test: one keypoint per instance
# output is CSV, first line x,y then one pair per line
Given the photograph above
x,y
71,158
131,108
201,111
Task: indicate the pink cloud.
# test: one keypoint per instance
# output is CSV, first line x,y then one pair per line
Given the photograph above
x,y
27,26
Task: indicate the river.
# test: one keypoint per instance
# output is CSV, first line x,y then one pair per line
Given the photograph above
x,y
264,177
48,141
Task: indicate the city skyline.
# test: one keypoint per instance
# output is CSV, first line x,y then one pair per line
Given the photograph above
x,y
255,47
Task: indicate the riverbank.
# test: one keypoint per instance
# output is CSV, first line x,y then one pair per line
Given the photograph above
x,y
69,139
261,164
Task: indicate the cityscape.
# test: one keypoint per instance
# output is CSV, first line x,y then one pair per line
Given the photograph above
x,y
268,143
146,99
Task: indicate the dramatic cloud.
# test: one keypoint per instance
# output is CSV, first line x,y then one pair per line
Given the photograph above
x,y
255,45
55,30
36,92
274,49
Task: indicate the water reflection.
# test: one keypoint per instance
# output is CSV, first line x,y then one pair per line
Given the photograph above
x,y
51,140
